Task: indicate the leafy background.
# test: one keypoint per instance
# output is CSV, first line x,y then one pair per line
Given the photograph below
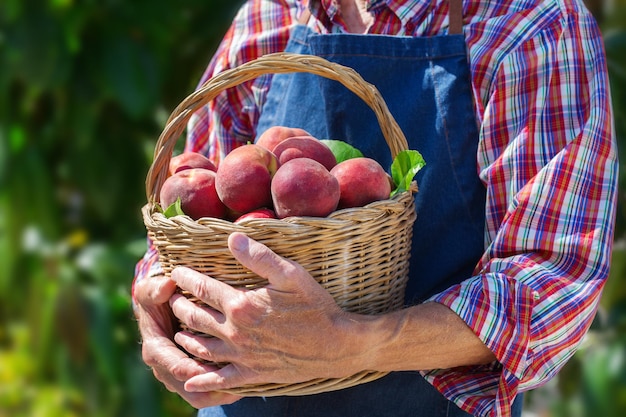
x,y
85,88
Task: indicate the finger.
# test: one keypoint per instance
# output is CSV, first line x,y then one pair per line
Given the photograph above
x,y
210,349
156,321
224,378
161,354
197,317
169,363
280,272
209,290
158,348
197,399
154,290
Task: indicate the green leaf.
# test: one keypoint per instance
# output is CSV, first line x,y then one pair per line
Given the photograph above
x,y
174,209
342,150
404,168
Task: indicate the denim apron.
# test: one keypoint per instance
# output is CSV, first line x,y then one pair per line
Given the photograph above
x,y
425,82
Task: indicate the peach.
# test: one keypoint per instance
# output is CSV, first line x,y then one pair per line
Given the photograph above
x,y
361,181
196,189
305,147
232,214
276,134
188,160
244,178
304,187
262,213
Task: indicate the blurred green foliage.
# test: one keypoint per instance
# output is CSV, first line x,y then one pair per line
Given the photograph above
x,y
86,87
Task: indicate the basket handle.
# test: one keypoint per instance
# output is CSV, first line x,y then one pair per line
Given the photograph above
x,y
274,64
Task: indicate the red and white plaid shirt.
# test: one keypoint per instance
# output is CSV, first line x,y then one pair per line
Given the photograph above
x,y
546,154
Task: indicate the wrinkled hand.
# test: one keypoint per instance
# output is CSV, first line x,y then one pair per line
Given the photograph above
x,y
169,364
288,331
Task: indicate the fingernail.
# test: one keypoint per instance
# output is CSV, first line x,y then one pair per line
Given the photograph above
x,y
174,274
238,242
179,338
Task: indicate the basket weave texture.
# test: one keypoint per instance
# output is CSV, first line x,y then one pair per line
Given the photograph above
x,y
359,255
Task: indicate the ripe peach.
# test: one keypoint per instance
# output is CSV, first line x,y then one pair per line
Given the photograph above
x,y
188,160
262,213
361,181
303,187
305,147
232,214
196,189
244,177
276,134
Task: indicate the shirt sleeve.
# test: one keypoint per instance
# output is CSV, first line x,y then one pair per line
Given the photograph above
x,y
547,155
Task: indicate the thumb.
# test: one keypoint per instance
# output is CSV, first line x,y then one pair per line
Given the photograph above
x,y
280,272
154,291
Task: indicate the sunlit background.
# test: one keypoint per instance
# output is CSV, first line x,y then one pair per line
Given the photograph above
x,y
85,88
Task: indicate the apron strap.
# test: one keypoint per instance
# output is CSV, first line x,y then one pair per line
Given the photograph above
x,y
455,17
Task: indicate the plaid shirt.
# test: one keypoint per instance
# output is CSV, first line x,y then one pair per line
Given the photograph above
x,y
546,154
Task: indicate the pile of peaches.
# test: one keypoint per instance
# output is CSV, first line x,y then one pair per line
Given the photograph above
x,y
287,172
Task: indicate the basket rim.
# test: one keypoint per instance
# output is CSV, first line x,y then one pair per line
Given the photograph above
x,y
268,64
314,386
152,213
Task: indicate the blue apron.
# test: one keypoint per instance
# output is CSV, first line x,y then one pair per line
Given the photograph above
x,y
425,82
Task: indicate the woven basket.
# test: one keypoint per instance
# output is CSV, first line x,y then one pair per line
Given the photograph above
x,y
359,255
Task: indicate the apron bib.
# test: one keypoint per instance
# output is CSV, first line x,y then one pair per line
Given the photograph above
x,y
425,82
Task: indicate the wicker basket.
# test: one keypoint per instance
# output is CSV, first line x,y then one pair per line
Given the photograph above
x,y
360,255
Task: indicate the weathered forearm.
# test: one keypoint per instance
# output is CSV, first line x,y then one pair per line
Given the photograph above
x,y
421,337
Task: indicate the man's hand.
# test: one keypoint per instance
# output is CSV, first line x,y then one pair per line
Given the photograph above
x,y
169,364
288,331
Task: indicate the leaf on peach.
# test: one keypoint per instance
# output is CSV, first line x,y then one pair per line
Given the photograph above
x,y
404,168
174,209
341,149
